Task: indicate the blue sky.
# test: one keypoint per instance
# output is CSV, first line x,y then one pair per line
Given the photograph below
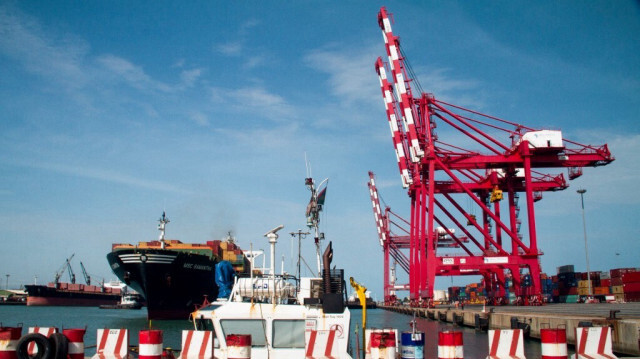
x,y
112,112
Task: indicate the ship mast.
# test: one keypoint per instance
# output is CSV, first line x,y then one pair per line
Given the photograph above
x,y
161,225
313,214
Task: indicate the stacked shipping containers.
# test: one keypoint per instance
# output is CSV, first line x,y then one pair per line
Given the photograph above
x,y
625,284
568,286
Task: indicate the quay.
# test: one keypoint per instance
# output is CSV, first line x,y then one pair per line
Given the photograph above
x,y
623,318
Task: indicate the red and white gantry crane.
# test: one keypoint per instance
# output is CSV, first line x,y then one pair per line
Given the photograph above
x,y
491,157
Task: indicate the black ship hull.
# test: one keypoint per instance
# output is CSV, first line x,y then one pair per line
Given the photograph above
x,y
171,282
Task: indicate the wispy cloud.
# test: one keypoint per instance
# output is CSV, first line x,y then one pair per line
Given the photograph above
x,y
98,174
67,60
350,74
256,100
57,58
230,48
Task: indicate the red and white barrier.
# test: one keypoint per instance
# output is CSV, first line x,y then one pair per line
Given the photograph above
x,y
238,346
506,343
320,344
553,343
150,344
593,343
32,349
450,345
112,344
76,342
383,345
196,344
9,337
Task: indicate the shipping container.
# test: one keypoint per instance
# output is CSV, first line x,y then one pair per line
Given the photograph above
x,y
631,287
605,282
567,277
630,277
566,269
616,273
601,290
585,284
632,297
617,289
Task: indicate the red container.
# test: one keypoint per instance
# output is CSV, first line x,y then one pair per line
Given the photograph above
x,y
632,297
605,282
616,281
573,291
631,287
615,273
630,277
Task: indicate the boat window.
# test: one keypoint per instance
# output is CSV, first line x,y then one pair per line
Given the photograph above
x,y
254,327
288,333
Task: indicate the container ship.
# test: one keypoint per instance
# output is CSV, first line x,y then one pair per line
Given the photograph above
x,y
172,276
59,293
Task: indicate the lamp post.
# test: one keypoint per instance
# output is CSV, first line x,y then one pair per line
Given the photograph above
x,y
584,227
300,235
7,285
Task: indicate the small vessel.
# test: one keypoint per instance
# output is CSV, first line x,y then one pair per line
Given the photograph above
x,y
173,276
127,301
59,293
354,303
286,317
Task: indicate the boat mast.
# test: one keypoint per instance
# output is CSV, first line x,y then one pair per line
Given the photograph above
x,y
161,225
313,215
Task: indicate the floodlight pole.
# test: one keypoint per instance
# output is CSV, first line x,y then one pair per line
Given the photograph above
x,y
586,248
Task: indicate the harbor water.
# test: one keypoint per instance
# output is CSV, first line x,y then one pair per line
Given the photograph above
x,y
475,343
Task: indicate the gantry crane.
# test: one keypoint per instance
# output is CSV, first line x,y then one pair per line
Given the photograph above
x,y
493,157
389,223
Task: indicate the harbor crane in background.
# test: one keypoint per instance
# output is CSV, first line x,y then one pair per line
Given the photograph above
x,y
492,161
60,272
87,278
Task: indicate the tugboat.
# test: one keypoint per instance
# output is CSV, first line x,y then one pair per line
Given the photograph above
x,y
173,276
128,301
281,312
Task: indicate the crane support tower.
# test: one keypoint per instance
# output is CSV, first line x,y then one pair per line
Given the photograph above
x,y
457,190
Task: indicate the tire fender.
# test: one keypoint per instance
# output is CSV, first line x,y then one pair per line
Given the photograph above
x,y
59,346
41,342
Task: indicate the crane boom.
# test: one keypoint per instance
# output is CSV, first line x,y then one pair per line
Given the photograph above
x,y
87,278
60,271
403,89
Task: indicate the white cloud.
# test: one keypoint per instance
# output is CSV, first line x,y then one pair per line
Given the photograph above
x,y
199,118
351,74
230,48
189,77
59,59
99,174
256,100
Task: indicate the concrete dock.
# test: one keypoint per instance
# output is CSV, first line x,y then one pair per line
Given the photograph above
x,y
623,318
